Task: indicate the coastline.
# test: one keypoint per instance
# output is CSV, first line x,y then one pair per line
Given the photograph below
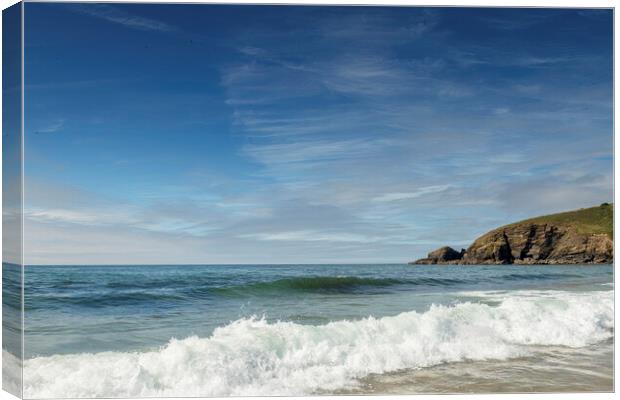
x,y
583,236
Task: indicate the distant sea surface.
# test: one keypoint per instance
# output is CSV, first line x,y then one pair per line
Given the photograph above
x,y
219,330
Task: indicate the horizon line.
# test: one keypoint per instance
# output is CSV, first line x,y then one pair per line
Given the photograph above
x,y
199,264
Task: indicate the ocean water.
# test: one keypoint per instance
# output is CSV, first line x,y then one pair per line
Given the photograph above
x,y
227,330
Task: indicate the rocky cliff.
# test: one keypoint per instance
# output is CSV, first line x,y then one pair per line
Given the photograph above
x,y
577,237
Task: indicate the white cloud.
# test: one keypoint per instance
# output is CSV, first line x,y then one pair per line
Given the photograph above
x,y
312,236
118,16
307,151
70,216
411,195
532,61
52,127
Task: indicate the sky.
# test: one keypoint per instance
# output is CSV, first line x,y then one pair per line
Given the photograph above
x,y
227,134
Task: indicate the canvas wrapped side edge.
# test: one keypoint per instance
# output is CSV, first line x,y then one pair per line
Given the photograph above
x,y
12,200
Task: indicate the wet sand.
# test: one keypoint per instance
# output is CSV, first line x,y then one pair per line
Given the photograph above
x,y
551,370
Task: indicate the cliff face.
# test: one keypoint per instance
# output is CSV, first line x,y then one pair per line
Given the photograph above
x,y
531,242
539,244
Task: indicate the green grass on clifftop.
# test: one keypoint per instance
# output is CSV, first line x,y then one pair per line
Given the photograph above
x,y
587,221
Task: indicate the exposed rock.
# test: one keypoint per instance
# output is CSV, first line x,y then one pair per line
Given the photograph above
x,y
530,242
443,255
539,244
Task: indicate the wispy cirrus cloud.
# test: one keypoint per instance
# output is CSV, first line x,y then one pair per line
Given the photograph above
x,y
309,151
51,127
390,128
376,28
116,15
533,61
388,197
506,20
313,236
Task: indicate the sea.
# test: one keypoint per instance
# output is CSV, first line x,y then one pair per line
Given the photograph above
x,y
260,330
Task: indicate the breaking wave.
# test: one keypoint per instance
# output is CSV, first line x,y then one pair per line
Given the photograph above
x,y
254,357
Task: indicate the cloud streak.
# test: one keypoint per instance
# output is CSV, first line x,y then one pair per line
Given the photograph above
x,y
52,127
118,16
388,197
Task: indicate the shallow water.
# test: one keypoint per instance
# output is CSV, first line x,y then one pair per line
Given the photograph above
x,y
302,329
587,369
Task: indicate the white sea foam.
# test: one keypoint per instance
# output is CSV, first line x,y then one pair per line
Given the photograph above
x,y
253,357
11,373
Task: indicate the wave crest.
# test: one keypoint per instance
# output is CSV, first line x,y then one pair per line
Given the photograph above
x,y
340,284
254,357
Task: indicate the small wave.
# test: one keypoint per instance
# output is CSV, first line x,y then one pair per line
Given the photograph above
x,y
312,284
120,293
333,284
101,300
253,357
149,283
530,277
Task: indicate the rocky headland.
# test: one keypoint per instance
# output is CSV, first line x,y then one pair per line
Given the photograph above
x,y
583,236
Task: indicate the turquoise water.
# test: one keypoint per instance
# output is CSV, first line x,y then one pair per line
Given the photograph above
x,y
93,309
295,329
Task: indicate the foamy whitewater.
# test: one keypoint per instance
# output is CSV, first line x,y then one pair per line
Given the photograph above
x,y
259,355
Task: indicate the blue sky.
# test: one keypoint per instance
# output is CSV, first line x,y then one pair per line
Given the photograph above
x,y
265,134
